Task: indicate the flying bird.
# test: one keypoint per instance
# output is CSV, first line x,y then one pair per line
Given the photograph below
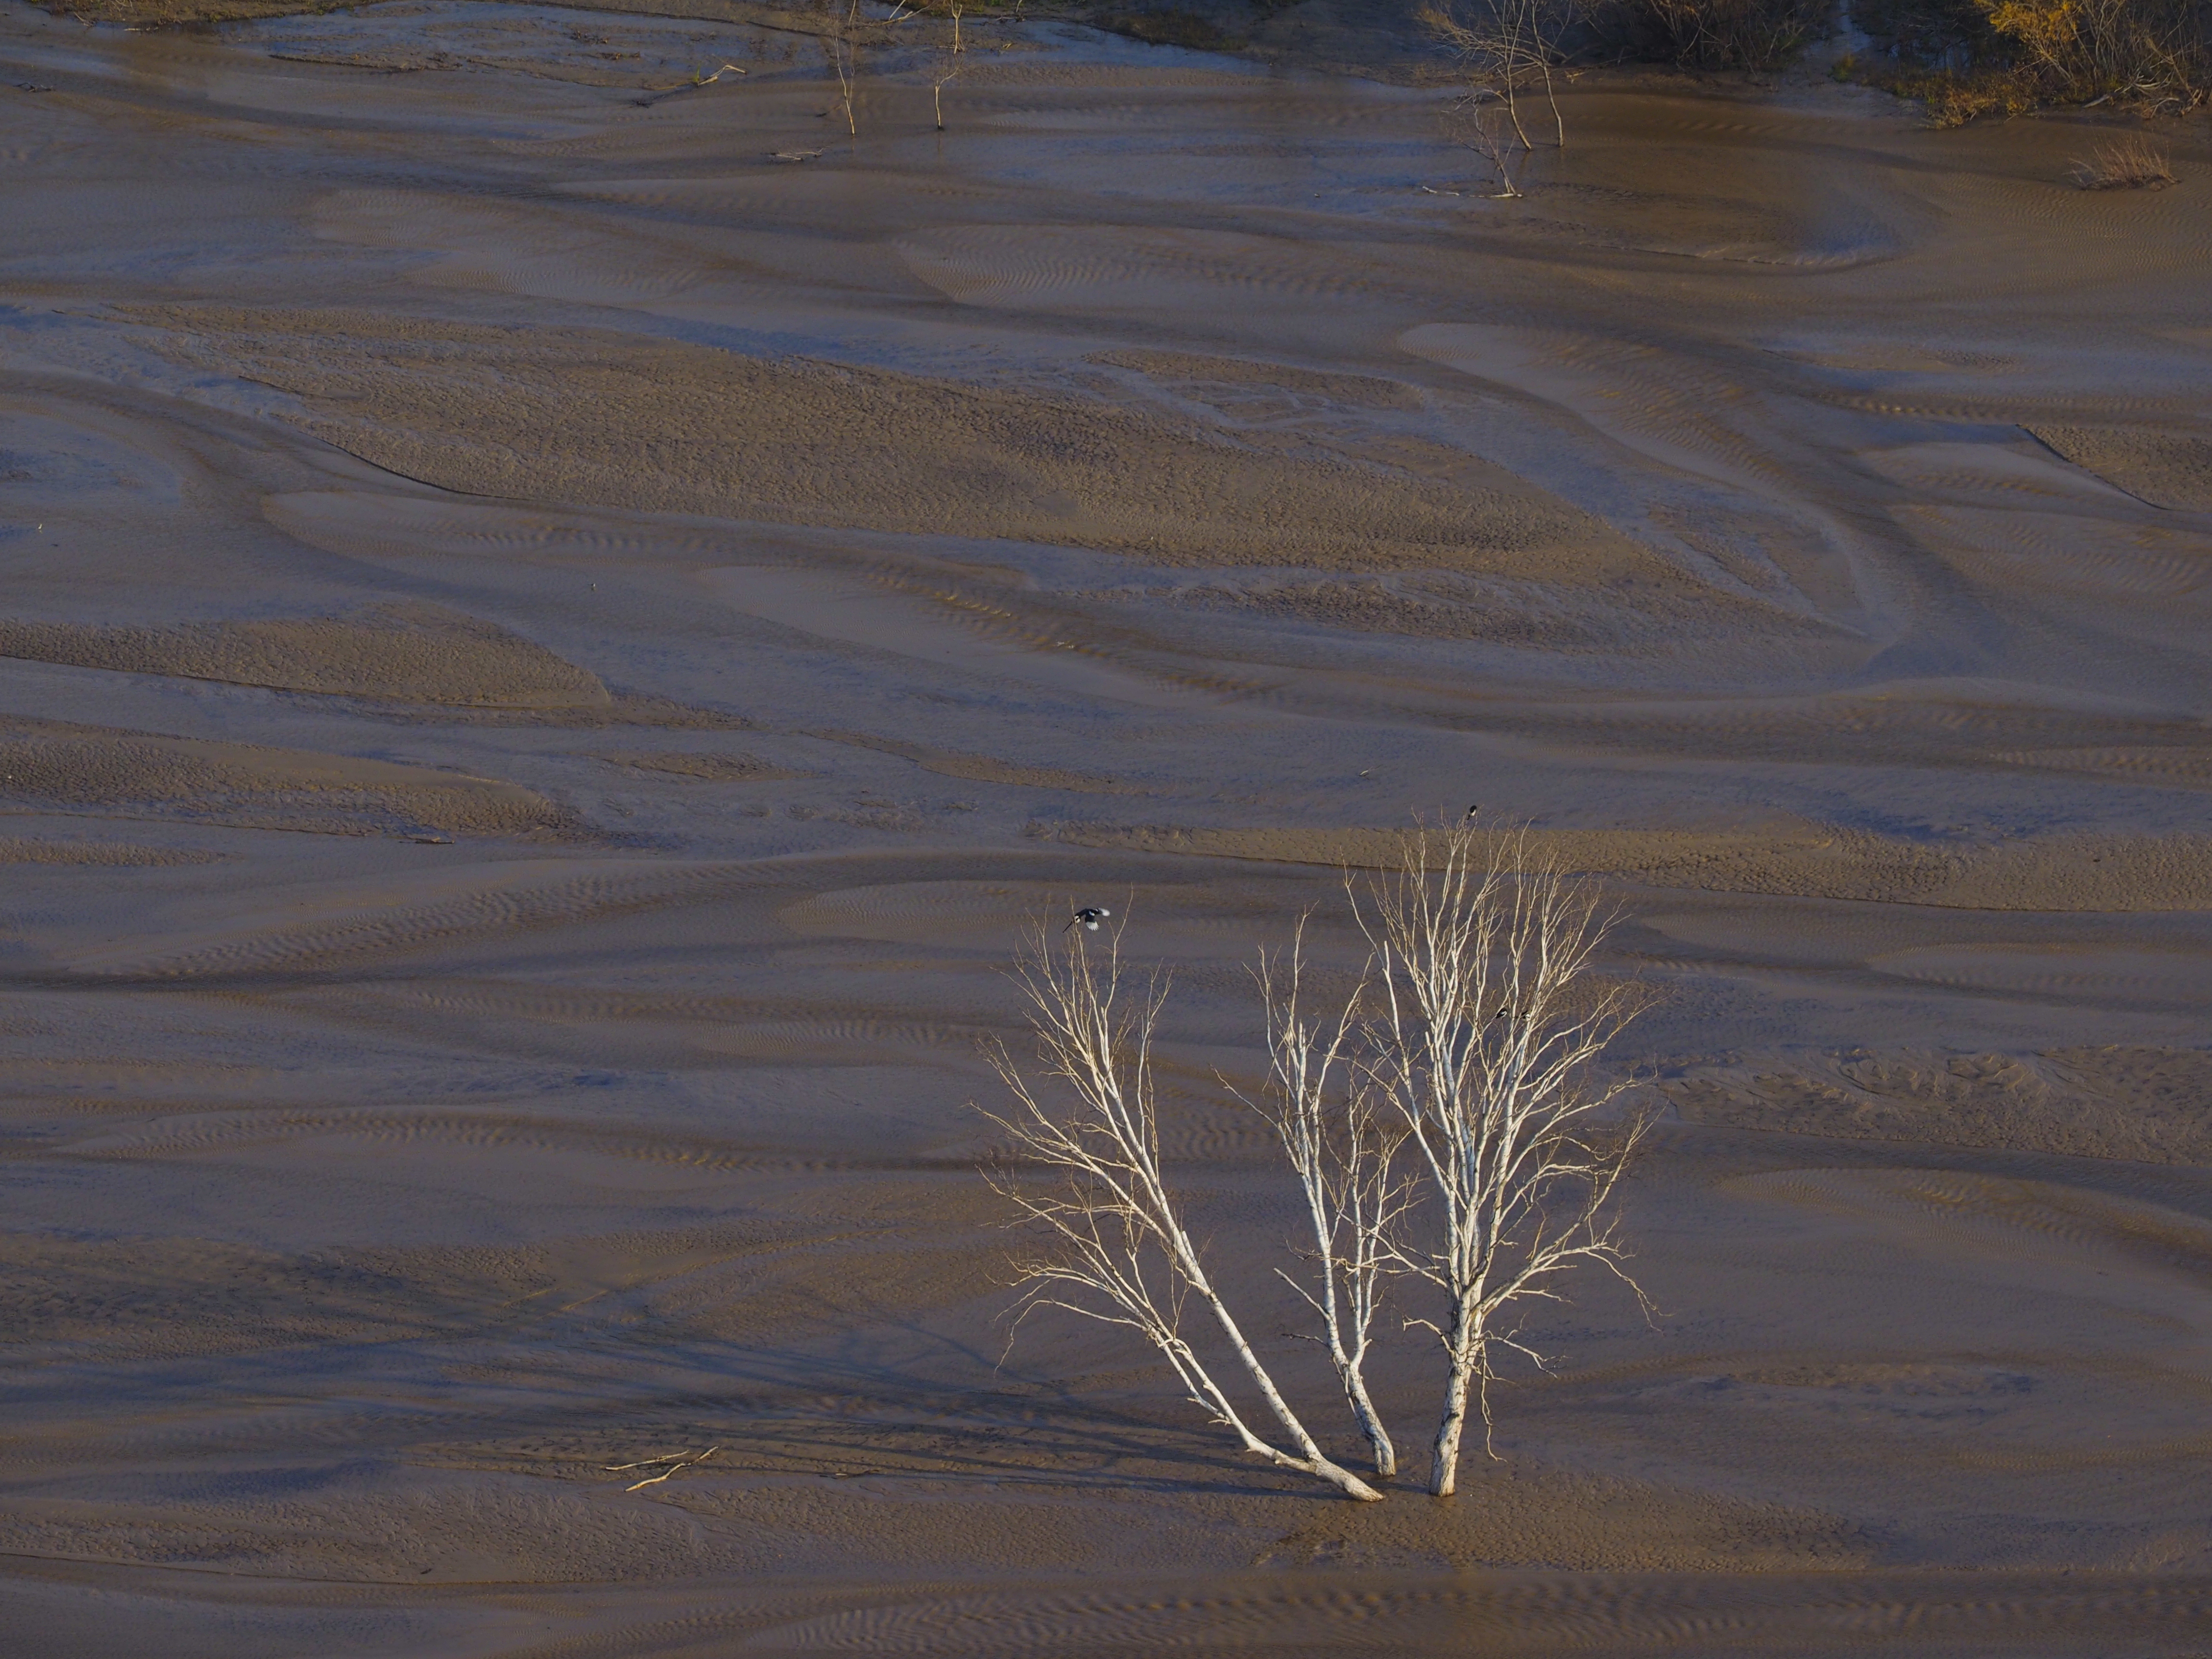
x,y
1088,917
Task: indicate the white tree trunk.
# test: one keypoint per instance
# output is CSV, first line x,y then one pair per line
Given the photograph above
x,y
1462,1348
1371,1424
1313,1460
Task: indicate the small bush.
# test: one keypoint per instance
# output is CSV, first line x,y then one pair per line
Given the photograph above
x,y
1724,33
1168,26
2088,49
1969,57
1954,97
2132,163
1931,34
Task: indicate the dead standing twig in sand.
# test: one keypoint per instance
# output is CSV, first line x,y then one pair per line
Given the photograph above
x,y
677,1461
947,66
843,44
938,82
1476,120
1126,1255
1487,1044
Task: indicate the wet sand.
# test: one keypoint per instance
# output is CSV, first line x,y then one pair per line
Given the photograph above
x,y
548,651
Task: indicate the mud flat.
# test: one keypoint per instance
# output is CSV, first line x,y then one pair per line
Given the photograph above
x,y
547,652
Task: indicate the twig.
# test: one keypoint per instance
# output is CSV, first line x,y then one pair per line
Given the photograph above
x,y
654,94
677,1461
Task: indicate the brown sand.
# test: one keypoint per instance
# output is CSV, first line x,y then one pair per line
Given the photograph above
x,y
142,774
15,849
442,1058
412,653
2139,1105
2166,469
982,768
2102,873
573,415
706,768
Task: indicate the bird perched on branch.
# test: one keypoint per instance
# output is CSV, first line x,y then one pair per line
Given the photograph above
x,y
1471,811
1088,917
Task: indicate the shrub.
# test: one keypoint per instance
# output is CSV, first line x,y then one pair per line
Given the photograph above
x,y
1168,26
1723,34
2130,163
1954,97
1968,58
1952,35
2088,49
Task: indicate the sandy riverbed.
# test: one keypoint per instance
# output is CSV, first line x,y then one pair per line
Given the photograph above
x,y
546,652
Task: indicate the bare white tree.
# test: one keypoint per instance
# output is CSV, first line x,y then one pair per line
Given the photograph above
x,y
1505,45
1489,1030
1343,1154
1450,1121
1125,1254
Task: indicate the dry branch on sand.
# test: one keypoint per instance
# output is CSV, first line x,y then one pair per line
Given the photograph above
x,y
2130,163
1448,1122
673,1464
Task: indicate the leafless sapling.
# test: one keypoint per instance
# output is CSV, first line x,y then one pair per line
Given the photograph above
x,y
1343,1150
1490,1023
1506,44
1085,1167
